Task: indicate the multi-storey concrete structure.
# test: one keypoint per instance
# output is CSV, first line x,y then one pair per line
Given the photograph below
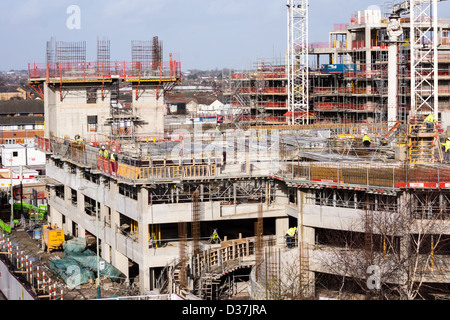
x,y
243,184
348,77
147,191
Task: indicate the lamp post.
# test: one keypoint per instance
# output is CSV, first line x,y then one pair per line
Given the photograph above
x,y
99,295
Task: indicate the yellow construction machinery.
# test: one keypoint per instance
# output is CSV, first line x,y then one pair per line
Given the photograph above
x,y
52,237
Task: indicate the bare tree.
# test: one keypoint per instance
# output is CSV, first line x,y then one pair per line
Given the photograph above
x,y
390,251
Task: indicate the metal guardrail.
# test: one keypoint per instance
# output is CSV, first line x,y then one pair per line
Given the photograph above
x,y
374,175
125,167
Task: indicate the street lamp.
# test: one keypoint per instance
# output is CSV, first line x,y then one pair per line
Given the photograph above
x,y
99,295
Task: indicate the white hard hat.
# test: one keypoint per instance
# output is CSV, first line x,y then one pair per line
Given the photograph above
x,y
448,138
103,147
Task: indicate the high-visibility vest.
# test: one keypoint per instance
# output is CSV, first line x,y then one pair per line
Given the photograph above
x,y
291,232
447,145
366,138
106,154
113,157
100,153
430,119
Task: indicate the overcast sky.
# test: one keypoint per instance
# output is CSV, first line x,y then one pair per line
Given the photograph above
x,y
204,34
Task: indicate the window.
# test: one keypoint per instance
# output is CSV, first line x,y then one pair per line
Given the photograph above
x,y
59,191
91,95
15,153
73,194
92,123
128,191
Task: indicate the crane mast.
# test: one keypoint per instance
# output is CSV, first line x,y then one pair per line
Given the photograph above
x,y
297,61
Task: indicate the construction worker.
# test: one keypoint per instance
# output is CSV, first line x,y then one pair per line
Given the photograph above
x,y
366,140
215,237
113,162
105,153
290,235
78,139
447,150
102,150
429,121
218,133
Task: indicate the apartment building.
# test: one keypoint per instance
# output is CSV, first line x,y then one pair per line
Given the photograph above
x,y
348,76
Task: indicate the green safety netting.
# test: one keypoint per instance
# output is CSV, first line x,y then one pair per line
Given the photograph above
x,y
74,246
71,272
79,264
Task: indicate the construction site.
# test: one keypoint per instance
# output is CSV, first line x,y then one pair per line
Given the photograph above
x,y
341,151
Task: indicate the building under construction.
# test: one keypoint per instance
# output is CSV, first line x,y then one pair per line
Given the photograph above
x,y
191,211
348,76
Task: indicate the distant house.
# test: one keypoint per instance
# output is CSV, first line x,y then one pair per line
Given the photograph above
x,y
20,121
176,103
205,104
10,92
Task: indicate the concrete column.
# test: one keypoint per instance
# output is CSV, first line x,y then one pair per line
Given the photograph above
x,y
56,218
306,237
281,226
405,241
68,226
106,252
120,261
144,270
67,196
81,231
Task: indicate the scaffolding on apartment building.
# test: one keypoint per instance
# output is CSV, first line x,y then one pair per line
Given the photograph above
x,y
356,91
259,95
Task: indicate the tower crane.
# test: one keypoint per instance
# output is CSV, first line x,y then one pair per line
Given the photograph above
x,y
297,64
423,40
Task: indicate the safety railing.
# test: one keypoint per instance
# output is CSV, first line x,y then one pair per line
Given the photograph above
x,y
371,175
125,167
103,70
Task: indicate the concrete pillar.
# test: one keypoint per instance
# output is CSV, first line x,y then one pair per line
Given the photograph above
x,y
106,252
68,226
56,218
81,231
405,241
120,261
144,270
306,238
281,226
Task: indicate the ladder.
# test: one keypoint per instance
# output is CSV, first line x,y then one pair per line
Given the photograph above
x,y
207,286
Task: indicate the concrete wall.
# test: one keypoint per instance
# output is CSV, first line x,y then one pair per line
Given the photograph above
x,y
69,116
150,108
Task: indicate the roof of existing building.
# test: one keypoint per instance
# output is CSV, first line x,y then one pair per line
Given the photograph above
x,y
21,106
175,97
4,89
21,120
